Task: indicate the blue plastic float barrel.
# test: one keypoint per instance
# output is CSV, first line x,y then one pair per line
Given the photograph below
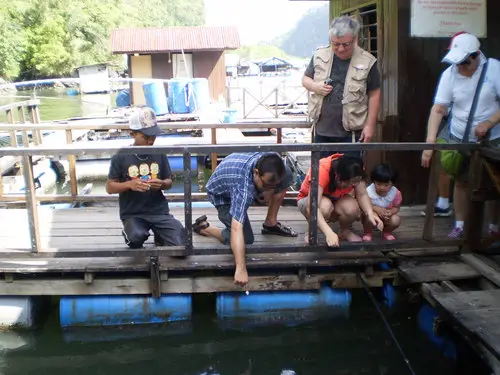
x,y
123,310
123,98
388,290
72,92
426,318
154,92
199,98
177,164
284,308
178,96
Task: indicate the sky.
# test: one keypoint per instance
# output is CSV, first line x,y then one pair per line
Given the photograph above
x,y
257,20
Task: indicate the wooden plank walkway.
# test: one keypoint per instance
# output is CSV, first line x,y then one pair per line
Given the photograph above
x,y
97,228
416,272
83,253
474,313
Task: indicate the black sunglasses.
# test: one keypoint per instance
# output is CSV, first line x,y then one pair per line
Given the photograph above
x,y
468,61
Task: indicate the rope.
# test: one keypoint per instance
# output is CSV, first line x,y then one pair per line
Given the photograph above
x,y
386,323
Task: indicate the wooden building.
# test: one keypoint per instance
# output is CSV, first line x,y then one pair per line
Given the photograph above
x,y
176,52
410,68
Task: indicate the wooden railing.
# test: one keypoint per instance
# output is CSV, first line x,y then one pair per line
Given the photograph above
x,y
187,151
19,110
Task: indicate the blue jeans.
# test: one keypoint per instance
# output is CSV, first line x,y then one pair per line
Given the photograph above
x,y
322,139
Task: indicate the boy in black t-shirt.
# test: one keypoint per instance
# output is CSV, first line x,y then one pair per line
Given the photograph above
x,y
139,181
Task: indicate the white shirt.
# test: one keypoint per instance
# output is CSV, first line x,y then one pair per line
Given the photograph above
x,y
380,201
458,90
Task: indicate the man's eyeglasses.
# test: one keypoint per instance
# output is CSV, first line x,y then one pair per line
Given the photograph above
x,y
345,45
468,61
268,186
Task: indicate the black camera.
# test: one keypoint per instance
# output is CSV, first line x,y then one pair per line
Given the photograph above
x,y
329,81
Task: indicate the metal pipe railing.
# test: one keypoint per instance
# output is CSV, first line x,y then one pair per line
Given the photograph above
x,y
27,154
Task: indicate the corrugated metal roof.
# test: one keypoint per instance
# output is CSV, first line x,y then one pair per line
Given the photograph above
x,y
174,39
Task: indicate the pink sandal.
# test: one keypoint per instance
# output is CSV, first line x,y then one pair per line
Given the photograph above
x,y
388,236
367,237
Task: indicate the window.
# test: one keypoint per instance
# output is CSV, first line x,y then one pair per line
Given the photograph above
x,y
368,33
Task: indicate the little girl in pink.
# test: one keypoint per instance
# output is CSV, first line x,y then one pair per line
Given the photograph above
x,y
386,200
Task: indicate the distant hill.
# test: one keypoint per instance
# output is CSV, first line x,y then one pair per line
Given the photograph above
x,y
310,33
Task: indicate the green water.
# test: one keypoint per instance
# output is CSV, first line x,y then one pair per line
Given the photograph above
x,y
354,343
55,104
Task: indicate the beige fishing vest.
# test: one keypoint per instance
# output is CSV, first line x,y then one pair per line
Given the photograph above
x,y
355,99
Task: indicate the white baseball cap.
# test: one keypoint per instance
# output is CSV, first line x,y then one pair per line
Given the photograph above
x,y
462,46
144,120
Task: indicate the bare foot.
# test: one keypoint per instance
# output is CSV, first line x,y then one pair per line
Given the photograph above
x,y
349,236
204,232
241,275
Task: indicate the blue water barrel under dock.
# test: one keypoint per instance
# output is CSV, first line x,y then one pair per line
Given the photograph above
x,y
178,96
156,98
123,310
199,94
282,308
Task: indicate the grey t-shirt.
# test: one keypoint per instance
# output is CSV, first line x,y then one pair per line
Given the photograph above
x,y
330,119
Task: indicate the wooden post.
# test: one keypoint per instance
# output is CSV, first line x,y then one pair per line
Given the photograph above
x,y
214,154
22,120
188,210
228,95
279,135
432,192
72,165
31,203
22,116
244,104
276,91
475,216
13,138
10,116
26,140
35,119
313,199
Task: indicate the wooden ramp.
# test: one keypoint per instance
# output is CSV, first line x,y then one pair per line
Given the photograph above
x,y
416,272
464,290
478,312
474,314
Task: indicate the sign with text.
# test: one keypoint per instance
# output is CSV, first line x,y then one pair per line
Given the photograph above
x,y
443,18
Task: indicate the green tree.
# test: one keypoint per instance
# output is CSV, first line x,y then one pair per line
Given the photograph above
x,y
13,38
45,38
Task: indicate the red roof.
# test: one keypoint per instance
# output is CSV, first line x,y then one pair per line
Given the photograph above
x,y
174,39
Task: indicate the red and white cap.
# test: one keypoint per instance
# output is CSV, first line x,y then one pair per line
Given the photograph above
x,y
461,47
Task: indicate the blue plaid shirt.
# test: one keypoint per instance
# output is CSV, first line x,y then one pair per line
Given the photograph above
x,y
232,184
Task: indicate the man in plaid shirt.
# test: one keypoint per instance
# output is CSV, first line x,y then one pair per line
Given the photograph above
x,y
237,182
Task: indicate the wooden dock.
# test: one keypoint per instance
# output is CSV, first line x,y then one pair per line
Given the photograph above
x,y
65,265
465,291
81,251
89,241
100,228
